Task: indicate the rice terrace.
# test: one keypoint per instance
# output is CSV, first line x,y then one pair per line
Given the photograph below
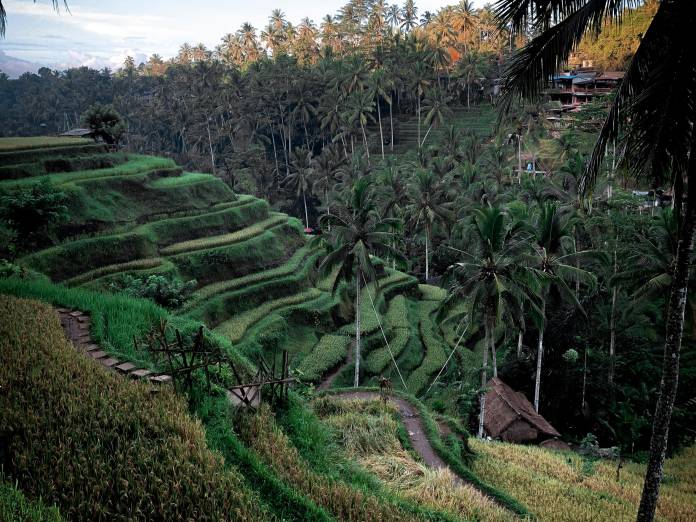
x,y
358,260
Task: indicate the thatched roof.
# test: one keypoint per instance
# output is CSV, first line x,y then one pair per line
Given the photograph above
x,y
79,133
504,406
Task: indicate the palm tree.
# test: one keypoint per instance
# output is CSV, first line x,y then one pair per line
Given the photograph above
x,y
492,280
325,170
300,175
393,16
428,205
654,111
554,250
352,240
470,68
409,15
360,107
420,83
381,85
436,110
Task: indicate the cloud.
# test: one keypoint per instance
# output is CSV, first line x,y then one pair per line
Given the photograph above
x,y
120,26
94,61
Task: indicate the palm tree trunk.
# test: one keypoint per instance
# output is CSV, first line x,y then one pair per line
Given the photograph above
x,y
381,135
419,123
356,377
484,380
468,89
612,336
426,136
540,355
391,124
427,255
670,365
367,149
493,354
612,324
306,215
275,155
520,335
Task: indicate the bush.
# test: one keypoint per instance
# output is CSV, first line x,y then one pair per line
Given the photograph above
x,y
104,122
32,212
168,292
99,446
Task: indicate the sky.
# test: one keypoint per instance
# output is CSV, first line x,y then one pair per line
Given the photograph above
x,y
101,33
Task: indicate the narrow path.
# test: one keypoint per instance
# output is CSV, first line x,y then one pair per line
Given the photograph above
x,y
331,377
76,326
416,433
414,426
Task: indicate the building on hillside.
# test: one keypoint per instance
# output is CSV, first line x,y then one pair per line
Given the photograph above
x,y
78,133
572,89
511,417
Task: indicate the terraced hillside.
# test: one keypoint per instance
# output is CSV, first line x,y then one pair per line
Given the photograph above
x,y
256,280
477,119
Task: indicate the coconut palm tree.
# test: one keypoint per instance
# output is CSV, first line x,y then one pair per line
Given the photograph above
x,y
420,82
359,110
491,280
393,16
436,110
654,113
554,251
351,240
300,175
428,204
409,15
381,85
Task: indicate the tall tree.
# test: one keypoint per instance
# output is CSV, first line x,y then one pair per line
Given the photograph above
x,y
654,111
353,238
491,279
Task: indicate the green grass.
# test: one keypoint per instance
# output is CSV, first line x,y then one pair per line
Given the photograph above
x,y
435,354
137,164
38,142
225,239
291,266
184,179
217,309
85,259
138,264
431,293
242,258
235,328
328,352
115,319
377,360
14,507
369,322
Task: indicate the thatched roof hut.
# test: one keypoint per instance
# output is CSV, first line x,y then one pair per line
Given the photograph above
x,y
511,417
78,133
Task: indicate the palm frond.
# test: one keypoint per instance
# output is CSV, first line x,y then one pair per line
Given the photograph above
x,y
648,112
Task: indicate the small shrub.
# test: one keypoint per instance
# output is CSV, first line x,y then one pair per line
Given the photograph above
x,y
168,292
32,212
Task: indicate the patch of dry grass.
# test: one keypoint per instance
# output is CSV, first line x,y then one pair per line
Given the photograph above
x,y
367,430
555,487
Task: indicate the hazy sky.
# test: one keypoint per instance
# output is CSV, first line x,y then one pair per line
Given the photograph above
x,y
103,32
